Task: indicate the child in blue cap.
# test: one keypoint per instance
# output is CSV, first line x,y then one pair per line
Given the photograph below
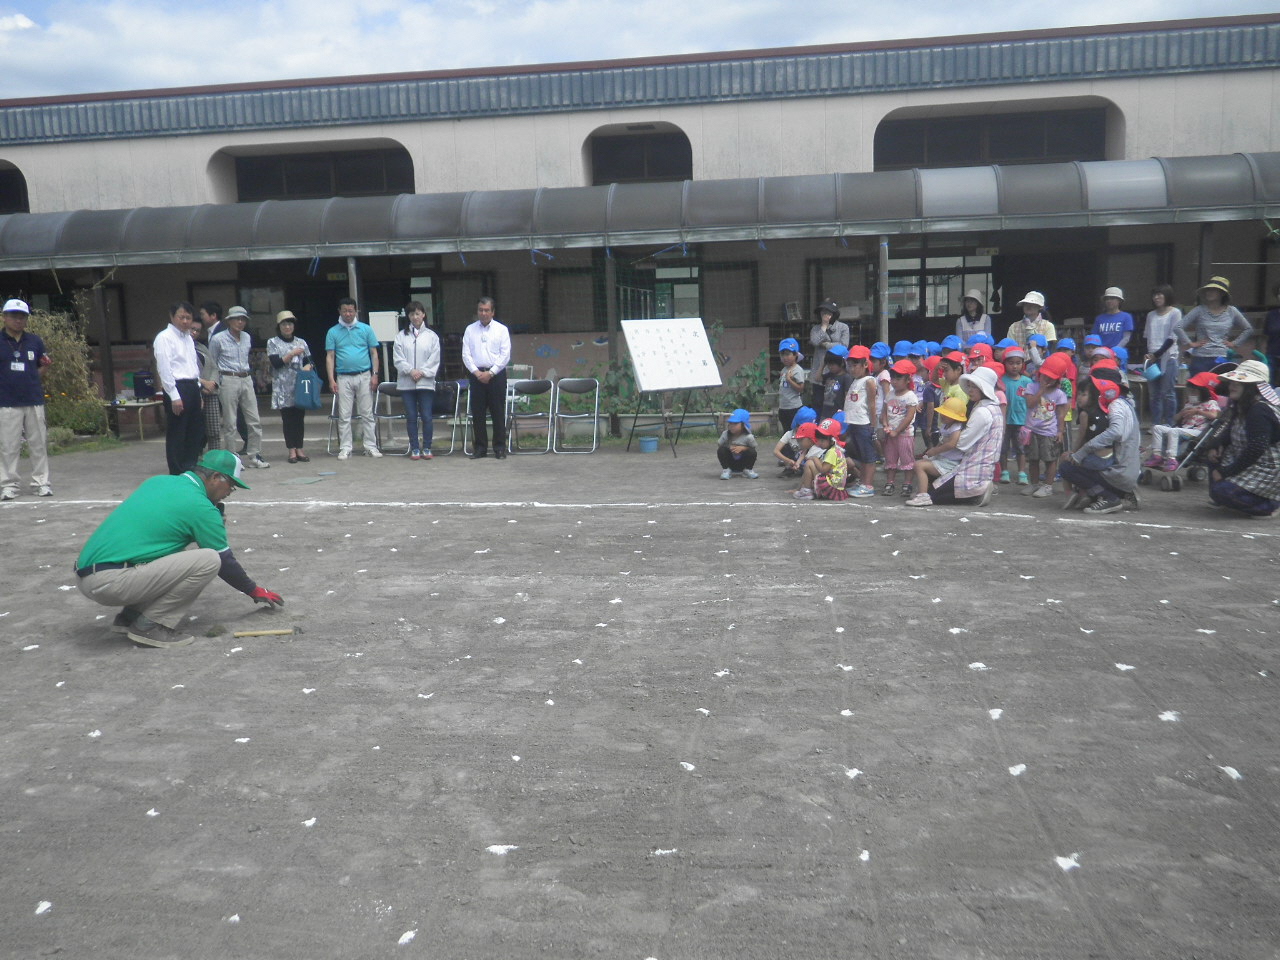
x,y
1037,350
835,380
790,383
737,449
788,451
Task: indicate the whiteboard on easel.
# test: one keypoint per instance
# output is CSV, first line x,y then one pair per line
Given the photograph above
x,y
671,354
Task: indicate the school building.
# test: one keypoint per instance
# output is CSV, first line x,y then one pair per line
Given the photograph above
x,y
741,187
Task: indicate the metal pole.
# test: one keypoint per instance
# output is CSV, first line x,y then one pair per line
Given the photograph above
x,y
882,288
105,361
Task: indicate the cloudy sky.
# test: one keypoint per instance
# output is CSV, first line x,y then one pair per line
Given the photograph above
x,y
82,46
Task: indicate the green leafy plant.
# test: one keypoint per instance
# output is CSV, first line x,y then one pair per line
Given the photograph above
x,y
71,395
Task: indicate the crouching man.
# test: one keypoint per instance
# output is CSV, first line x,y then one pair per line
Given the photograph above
x,y
138,558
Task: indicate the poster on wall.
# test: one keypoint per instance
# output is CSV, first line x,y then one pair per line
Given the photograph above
x,y
670,354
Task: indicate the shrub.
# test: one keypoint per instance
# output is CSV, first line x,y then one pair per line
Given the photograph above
x,y
71,396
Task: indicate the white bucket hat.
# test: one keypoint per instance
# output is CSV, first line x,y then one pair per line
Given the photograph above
x,y
1249,371
1034,297
1113,292
975,295
984,378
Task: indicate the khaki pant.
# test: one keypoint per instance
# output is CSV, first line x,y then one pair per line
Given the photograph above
x,y
355,390
162,590
235,394
16,422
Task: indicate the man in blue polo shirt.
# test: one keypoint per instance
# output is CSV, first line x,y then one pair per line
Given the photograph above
x,y
351,351
138,558
22,358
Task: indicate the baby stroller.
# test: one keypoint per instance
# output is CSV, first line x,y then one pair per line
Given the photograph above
x,y
1194,462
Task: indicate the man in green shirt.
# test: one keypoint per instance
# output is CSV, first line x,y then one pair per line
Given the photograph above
x,y
138,558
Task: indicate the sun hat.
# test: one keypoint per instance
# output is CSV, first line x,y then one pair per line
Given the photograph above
x,y
1066,343
806,431
974,295
1093,340
830,306
16,306
1217,283
235,312
804,415
284,315
951,342
859,352
1249,371
984,379
1006,343
1033,297
791,343
830,427
919,349
838,350
1039,340
226,463
902,348
954,408
904,368
1206,379
1113,292
881,350
740,416
1107,390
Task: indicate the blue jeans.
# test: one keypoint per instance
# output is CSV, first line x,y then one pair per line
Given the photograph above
x,y
1162,394
417,405
1200,365
1087,475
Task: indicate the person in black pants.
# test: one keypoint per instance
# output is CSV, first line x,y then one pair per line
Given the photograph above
x,y
486,351
178,370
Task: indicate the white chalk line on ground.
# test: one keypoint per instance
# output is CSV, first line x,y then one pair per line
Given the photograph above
x,y
1109,521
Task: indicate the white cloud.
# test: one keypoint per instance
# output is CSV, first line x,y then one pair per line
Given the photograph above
x,y
81,46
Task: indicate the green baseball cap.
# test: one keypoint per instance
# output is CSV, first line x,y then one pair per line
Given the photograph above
x,y
226,463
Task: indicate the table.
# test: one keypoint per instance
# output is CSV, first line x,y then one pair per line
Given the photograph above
x,y
115,408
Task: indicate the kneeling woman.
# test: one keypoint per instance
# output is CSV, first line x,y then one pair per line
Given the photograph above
x,y
1247,477
970,481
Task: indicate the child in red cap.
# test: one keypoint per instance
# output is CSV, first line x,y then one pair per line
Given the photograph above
x,y
1045,428
825,476
898,420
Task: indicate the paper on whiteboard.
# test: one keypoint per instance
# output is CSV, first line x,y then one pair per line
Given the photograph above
x,y
670,354
384,323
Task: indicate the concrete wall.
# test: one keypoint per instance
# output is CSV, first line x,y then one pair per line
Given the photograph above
x,y
1155,116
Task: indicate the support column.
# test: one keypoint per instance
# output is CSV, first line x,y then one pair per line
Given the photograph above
x,y
105,361
1204,266
882,290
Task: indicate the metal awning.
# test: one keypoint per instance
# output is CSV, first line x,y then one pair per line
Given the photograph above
x,y
1236,186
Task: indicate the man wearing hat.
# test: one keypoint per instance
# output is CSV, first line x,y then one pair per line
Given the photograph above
x,y
1032,321
229,350
826,333
1213,328
22,403
138,558
1113,327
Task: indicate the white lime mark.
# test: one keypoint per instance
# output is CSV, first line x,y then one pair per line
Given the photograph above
x,y
665,853
959,630
309,823
1232,772
723,673
916,577
499,619
515,757
829,599
308,689
1083,630
1171,716
895,553
1017,769
242,739
235,649
426,696
996,713
33,646
578,662
61,683
501,849
1025,576
407,937
937,599
839,629
178,686
686,766
864,856
66,587
846,669
153,812
616,600
485,550
704,711
1068,863
234,918
94,734
852,772
1122,667
43,907
1202,630
978,666
1051,600
846,713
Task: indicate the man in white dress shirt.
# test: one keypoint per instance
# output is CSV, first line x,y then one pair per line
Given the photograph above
x,y
178,369
229,349
486,351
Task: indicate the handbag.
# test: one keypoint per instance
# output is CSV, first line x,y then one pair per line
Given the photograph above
x,y
306,392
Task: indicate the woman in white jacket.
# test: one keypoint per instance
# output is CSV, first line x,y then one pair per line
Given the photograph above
x,y
416,354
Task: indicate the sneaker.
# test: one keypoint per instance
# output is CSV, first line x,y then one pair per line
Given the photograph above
x,y
987,494
1044,490
804,493
258,463
372,452
908,491
1154,460
1169,465
1022,478
344,454
862,490
751,474
9,493
415,454
148,633
920,500
1077,501
426,455
1104,505
886,490
1029,489
124,620
1130,501
726,473
1004,476
44,491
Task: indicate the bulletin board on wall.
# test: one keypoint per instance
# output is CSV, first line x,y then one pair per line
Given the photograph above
x,y
671,354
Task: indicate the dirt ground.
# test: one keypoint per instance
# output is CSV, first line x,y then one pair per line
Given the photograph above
x,y
611,706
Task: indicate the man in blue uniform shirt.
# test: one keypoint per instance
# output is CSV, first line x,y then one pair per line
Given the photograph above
x,y
22,358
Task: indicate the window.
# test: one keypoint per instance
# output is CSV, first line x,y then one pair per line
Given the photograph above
x,y
13,191
640,157
1044,137
303,176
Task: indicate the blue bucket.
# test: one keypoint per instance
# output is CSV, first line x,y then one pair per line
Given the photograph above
x,y
648,444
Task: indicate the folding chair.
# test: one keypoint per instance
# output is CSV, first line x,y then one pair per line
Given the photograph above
x,y
575,386
384,412
520,392
447,411
333,426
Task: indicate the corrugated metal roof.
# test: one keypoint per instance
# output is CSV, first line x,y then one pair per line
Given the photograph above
x,y
763,75
1105,193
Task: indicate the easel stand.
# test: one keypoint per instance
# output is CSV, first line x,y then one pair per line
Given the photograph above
x,y
667,416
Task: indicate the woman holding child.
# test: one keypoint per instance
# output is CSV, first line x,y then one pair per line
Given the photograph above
x,y
970,480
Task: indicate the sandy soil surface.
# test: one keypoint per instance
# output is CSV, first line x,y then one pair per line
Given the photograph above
x,y
611,706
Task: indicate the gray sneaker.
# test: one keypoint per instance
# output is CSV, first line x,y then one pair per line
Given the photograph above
x,y
9,493
148,633
125,619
